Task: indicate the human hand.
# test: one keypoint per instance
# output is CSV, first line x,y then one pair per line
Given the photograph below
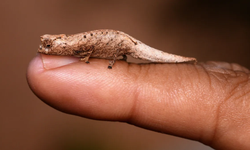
x,y
207,102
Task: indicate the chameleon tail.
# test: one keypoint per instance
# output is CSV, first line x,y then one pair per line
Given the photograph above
x,y
146,52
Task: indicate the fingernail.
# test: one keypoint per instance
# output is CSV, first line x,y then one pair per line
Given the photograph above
x,y
51,61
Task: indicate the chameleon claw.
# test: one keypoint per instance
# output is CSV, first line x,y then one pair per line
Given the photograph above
x,y
109,67
87,62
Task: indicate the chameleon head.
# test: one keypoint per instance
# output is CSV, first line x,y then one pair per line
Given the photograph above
x,y
51,44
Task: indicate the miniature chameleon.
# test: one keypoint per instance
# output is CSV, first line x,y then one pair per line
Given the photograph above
x,y
108,44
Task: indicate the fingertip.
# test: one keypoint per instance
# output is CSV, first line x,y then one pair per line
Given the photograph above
x,y
77,88
35,66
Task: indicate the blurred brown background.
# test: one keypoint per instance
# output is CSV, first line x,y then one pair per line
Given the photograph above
x,y
205,29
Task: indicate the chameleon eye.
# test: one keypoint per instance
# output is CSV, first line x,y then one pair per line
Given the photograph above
x,y
48,45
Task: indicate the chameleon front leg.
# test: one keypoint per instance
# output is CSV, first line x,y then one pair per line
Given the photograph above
x,y
86,58
112,62
87,55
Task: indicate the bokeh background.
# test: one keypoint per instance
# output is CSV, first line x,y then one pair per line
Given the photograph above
x,y
205,29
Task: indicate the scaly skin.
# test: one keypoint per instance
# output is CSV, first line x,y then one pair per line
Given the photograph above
x,y
108,44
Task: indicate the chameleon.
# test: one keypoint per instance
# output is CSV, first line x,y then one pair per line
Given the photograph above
x,y
107,44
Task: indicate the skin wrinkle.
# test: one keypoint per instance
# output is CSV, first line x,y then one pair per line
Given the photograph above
x,y
135,76
220,78
232,67
197,72
189,77
246,93
237,88
134,93
142,75
145,71
220,118
219,113
217,110
131,71
246,70
219,67
215,129
228,123
132,112
234,86
208,76
202,136
236,67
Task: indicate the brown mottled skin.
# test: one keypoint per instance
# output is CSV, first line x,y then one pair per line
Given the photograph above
x,y
108,44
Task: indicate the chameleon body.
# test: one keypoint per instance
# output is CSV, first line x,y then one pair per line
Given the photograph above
x,y
108,44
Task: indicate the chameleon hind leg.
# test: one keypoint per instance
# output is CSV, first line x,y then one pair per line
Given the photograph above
x,y
124,57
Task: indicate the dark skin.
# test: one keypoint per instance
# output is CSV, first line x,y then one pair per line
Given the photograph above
x,y
208,102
